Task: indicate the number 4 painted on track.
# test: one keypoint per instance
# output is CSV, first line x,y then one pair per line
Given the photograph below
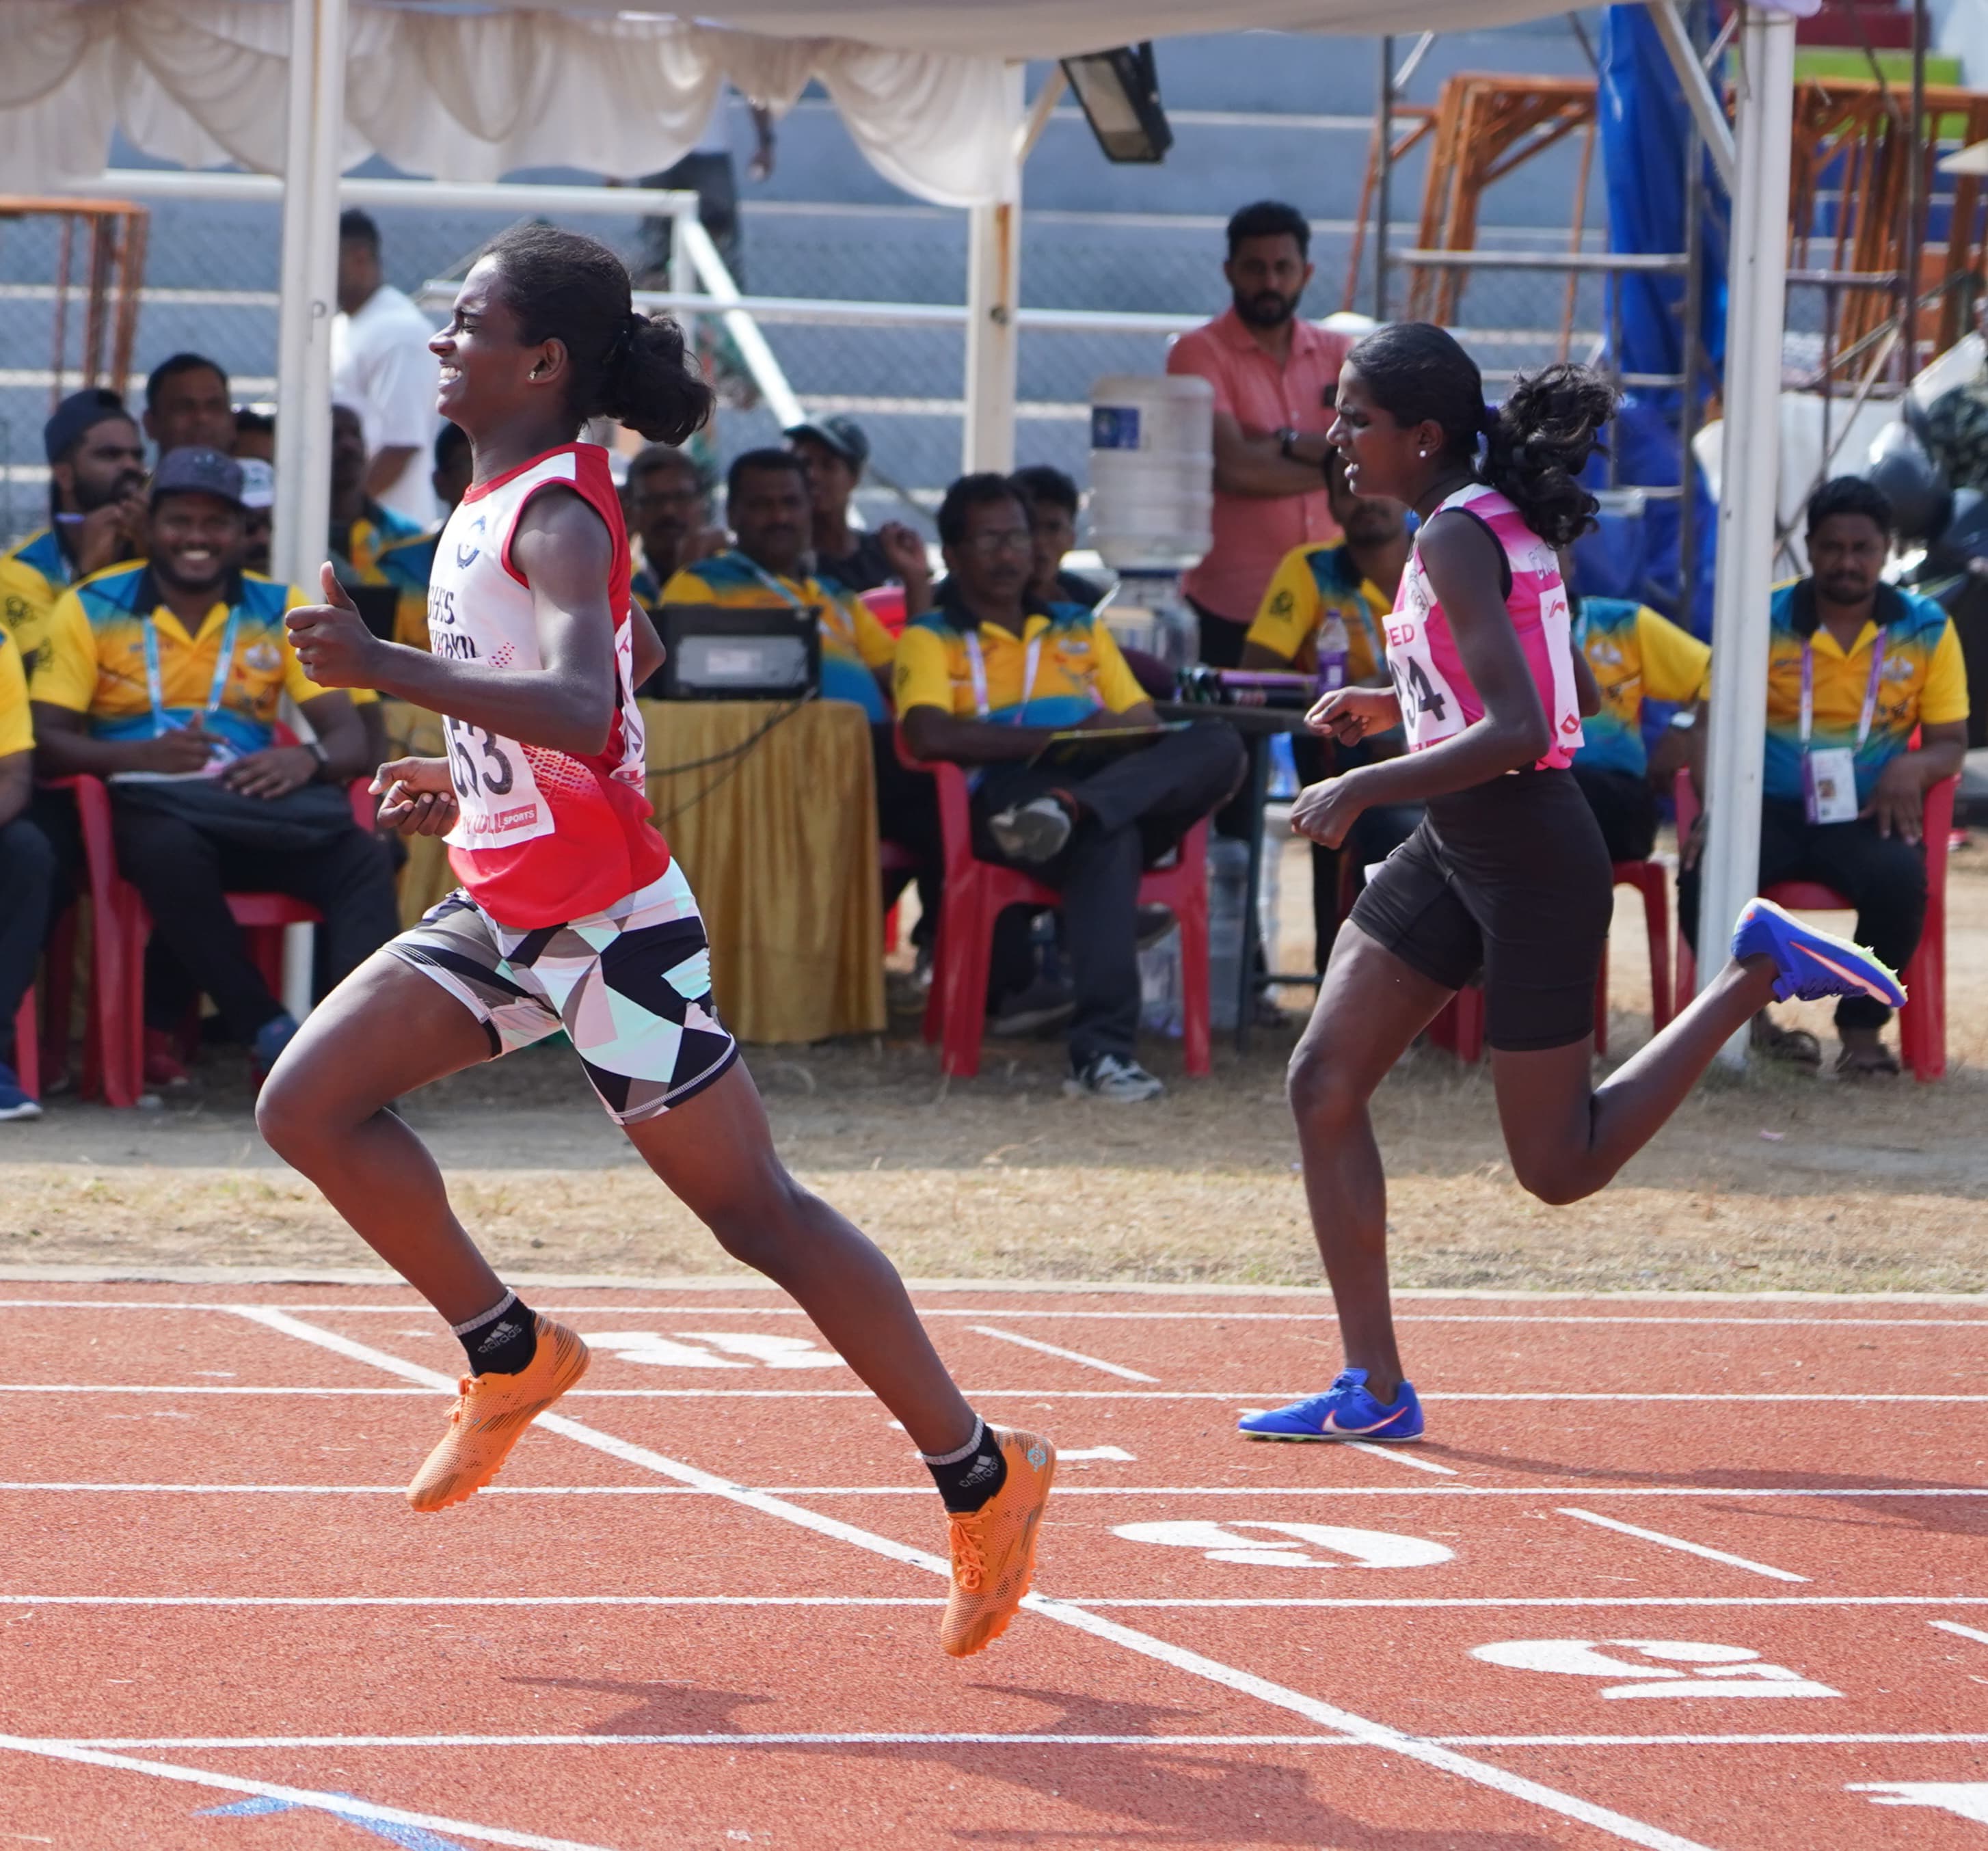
x,y
1715,1670
661,1351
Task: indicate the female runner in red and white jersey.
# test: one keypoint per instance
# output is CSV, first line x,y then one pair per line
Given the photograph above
x,y
1506,874
572,915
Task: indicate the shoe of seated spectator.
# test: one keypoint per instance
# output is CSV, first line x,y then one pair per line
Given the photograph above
x,y
1113,1077
14,1103
271,1039
1042,1005
1034,831
163,1069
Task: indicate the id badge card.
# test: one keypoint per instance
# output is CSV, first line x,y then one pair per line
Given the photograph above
x,y
1829,784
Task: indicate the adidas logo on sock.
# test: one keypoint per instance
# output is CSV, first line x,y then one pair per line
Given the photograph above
x,y
984,1467
498,1333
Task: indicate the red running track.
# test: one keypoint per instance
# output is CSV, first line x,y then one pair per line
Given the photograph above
x,y
1712,1580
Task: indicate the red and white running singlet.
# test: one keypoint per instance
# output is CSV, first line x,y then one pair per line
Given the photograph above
x,y
1430,681
543,837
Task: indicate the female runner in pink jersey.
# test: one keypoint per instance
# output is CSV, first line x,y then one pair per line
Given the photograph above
x,y
572,914
1507,875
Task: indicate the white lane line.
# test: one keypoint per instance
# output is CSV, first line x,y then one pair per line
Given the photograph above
x,y
1242,1398
1400,1455
298,1796
1483,1773
28,1487
618,1308
1678,1543
878,1739
1069,1356
1965,1632
1186,1602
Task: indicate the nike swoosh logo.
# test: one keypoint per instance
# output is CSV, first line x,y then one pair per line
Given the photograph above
x,y
1332,1425
1847,975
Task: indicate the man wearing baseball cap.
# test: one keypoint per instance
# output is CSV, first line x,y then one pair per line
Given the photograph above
x,y
163,677
833,450
97,511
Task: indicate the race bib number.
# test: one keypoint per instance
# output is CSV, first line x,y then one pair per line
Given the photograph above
x,y
1430,709
498,799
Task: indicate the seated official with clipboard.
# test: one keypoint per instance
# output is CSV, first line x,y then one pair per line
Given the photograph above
x,y
1074,777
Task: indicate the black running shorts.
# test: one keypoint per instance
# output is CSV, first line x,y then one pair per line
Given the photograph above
x,y
1509,878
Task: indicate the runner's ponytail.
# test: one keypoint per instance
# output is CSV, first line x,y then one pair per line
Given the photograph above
x,y
1539,441
566,287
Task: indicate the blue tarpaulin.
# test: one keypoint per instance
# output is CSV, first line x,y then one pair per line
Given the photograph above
x,y
1645,126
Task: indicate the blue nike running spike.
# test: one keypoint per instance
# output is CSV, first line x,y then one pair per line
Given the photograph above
x,y
1346,1410
1812,964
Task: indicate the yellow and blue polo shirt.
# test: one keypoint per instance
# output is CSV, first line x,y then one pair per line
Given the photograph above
x,y
1311,582
854,644
32,575
1078,668
17,724
1636,655
405,564
94,661
376,529
1923,682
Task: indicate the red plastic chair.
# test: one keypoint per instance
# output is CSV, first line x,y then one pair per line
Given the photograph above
x,y
976,893
27,1046
1460,1025
887,605
114,1045
1922,1021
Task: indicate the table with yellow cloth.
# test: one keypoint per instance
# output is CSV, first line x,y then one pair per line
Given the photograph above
x,y
779,843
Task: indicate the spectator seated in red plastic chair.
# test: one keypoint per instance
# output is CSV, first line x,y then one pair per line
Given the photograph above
x,y
1355,579
995,681
1855,666
1634,655
163,677
27,874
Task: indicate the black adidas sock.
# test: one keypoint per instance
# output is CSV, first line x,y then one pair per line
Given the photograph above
x,y
968,1478
503,1339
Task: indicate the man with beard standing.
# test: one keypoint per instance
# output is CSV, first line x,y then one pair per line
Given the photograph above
x,y
1275,377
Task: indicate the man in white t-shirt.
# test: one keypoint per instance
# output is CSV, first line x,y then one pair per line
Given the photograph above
x,y
381,364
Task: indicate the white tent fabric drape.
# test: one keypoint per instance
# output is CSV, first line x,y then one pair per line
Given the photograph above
x,y
468,96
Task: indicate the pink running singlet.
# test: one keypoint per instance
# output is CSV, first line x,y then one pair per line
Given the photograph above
x,y
1437,699
543,837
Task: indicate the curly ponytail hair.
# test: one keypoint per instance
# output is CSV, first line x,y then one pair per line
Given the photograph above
x,y
1538,440
566,287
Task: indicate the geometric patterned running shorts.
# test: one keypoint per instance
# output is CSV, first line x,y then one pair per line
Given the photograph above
x,y
631,986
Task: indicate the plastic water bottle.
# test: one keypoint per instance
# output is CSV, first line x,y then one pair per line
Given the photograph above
x,y
1228,945
1333,647
1160,1009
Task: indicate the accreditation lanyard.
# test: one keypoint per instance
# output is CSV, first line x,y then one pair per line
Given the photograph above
x,y
787,595
155,686
1870,713
977,664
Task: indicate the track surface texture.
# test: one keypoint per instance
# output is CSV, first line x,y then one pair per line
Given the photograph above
x,y
1676,1573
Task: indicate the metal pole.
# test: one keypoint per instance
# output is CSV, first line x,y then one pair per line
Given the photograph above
x,y
1914,241
993,295
1384,175
1758,283
309,290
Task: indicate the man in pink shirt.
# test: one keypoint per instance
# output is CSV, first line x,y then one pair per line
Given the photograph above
x,y
1275,376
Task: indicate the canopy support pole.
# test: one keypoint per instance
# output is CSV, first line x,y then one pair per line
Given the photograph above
x,y
993,295
1710,113
309,290
1749,475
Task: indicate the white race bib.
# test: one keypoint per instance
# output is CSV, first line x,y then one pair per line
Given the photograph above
x,y
1430,709
498,798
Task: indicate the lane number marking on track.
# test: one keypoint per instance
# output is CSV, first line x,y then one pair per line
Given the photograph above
x,y
1657,1665
1290,1545
1963,1798
734,1349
